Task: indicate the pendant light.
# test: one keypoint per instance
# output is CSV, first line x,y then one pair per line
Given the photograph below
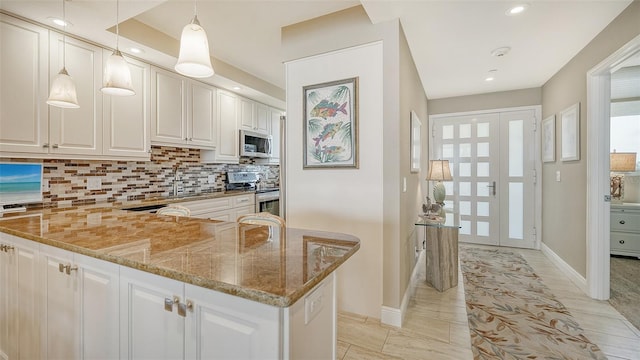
x,y
117,76
194,59
63,89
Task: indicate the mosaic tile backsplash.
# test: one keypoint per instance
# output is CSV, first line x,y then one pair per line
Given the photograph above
x,y
67,180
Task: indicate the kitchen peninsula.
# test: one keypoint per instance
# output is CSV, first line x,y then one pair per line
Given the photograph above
x,y
99,281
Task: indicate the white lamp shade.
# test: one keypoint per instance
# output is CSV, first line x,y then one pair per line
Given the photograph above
x,y
622,162
117,76
194,59
63,91
439,170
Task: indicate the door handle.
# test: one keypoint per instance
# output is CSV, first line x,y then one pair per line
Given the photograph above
x,y
493,188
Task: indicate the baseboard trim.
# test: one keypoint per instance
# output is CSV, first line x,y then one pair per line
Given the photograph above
x,y
394,316
575,277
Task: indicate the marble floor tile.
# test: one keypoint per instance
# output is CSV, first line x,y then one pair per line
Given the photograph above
x,y
341,349
358,353
435,325
366,335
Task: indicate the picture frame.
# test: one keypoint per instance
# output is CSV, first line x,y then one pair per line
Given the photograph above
x,y
330,123
570,125
549,139
416,142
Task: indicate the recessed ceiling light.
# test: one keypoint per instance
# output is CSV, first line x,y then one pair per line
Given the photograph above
x,y
237,88
491,75
59,21
517,9
136,50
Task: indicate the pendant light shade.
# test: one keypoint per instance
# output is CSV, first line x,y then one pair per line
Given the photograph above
x,y
194,59
63,91
117,75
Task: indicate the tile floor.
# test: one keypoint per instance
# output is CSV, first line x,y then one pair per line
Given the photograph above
x,y
436,323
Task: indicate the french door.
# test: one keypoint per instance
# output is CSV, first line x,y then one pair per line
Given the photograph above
x,y
492,160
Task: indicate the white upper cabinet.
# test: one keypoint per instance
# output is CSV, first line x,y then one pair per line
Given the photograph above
x,y
274,120
24,71
253,116
202,114
126,130
168,109
77,131
183,111
228,137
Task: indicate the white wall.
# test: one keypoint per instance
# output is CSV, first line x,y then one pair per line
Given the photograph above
x,y
342,200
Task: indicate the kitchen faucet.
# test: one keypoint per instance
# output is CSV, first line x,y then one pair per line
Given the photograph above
x,y
176,179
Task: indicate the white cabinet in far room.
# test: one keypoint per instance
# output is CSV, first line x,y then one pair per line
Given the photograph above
x,y
253,116
24,116
81,303
625,229
182,111
126,119
19,299
77,131
226,208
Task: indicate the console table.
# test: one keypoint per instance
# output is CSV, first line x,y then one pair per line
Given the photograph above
x,y
441,243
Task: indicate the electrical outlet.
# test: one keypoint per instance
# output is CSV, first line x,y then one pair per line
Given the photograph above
x,y
211,179
94,183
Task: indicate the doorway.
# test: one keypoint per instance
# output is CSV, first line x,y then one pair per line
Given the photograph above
x,y
494,163
598,185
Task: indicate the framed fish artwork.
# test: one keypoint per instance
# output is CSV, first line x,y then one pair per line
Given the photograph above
x,y
331,124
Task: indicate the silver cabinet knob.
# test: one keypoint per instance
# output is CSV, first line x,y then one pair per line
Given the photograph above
x,y
45,145
55,146
622,222
621,241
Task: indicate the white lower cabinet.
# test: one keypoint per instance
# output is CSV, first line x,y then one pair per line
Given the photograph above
x,y
55,304
150,325
19,299
81,303
221,326
224,209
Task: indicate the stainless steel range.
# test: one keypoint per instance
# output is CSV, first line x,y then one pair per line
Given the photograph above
x,y
267,199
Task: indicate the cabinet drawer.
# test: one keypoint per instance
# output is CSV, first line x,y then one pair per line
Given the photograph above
x,y
244,200
209,205
625,220
625,241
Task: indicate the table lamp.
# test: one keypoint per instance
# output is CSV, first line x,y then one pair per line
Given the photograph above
x,y
439,171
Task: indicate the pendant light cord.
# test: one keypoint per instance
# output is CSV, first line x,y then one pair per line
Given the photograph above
x,y
117,24
64,37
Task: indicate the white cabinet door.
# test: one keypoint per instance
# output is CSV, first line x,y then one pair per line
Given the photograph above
x,y
247,114
202,115
99,308
168,107
275,136
77,131
24,79
150,327
263,118
20,325
228,136
126,119
61,323
222,326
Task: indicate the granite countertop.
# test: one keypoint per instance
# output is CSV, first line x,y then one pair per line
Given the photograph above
x,y
236,259
177,199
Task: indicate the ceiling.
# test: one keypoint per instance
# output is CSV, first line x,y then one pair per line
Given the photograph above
x,y
451,41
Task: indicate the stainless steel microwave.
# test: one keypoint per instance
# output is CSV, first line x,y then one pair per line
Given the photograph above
x,y
253,144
